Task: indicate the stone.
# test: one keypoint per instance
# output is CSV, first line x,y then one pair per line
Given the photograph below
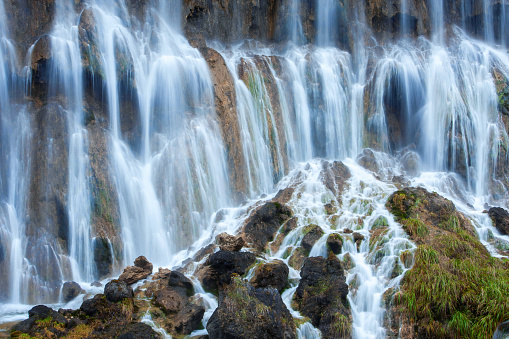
x,y
334,176
248,312
290,225
264,222
117,290
171,299
229,242
297,258
96,284
221,265
322,296
273,274
70,290
367,160
313,234
500,218
177,279
139,331
335,243
141,270
188,319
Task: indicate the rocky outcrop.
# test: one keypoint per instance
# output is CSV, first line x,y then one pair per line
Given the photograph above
x,y
335,243
322,296
248,312
272,274
174,306
334,176
263,223
117,290
500,219
220,266
141,270
450,267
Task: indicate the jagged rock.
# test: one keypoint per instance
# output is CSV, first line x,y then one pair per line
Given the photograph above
x,y
241,310
322,296
221,265
171,299
139,331
141,270
273,274
334,176
264,222
102,257
188,319
179,280
500,219
313,234
207,250
70,290
335,243
116,290
367,160
357,237
229,242
162,274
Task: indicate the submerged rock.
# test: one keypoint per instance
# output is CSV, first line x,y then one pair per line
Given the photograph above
x,y
248,312
322,296
273,274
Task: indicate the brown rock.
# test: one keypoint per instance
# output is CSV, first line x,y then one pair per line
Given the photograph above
x,y
171,300
229,242
313,234
335,243
273,274
500,219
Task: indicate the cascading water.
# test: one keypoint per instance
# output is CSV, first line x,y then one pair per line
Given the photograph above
x,y
438,97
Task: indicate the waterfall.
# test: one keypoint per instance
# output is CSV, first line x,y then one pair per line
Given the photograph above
x,y
14,150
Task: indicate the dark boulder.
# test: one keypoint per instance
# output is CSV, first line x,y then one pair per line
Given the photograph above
x,y
70,290
264,222
139,331
367,160
322,296
229,242
39,312
313,233
335,243
500,219
273,274
248,312
188,319
117,290
179,280
170,299
221,265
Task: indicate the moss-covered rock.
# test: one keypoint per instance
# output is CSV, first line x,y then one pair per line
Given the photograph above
x,y
455,289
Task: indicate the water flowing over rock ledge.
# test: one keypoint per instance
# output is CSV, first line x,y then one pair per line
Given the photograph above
x,y
133,128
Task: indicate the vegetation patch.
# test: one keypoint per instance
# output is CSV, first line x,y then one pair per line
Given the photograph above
x,y
455,289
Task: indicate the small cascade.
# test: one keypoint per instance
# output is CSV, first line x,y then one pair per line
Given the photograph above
x,y
295,33
326,22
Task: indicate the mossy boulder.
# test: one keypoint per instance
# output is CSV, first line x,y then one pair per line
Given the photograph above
x,y
322,296
455,289
264,222
335,243
312,233
248,312
272,274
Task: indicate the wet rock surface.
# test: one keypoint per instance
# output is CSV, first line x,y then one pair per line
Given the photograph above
x,y
273,274
248,312
335,243
116,290
220,266
264,222
313,233
322,296
500,219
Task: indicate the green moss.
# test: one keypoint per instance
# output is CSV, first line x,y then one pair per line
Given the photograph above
x,y
341,326
416,227
380,222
